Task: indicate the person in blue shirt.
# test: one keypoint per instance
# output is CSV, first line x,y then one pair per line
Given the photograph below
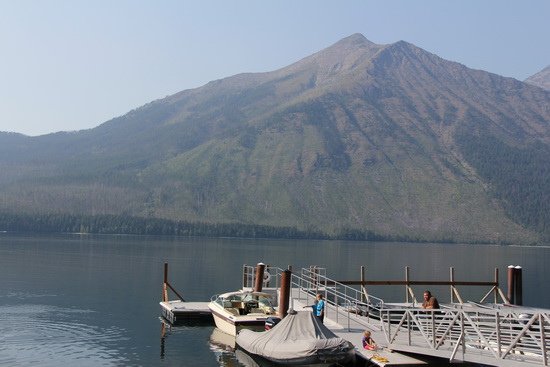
x,y
319,307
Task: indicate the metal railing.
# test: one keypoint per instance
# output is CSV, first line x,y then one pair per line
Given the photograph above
x,y
344,304
494,334
503,336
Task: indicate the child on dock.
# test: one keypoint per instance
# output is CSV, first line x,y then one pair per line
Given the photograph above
x,y
368,342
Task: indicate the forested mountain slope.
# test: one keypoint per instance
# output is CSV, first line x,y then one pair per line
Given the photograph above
x,y
358,137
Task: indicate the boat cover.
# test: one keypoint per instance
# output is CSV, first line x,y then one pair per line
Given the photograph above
x,y
299,336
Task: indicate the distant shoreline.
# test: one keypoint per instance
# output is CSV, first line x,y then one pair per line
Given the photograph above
x,y
128,225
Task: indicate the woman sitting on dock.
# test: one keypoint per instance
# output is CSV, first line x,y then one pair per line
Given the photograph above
x,y
367,341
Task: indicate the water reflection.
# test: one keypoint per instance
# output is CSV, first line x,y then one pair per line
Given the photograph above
x,y
93,300
51,336
220,341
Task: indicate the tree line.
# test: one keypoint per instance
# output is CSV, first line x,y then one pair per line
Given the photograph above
x,y
119,224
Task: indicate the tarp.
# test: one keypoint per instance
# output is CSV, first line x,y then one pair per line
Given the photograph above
x,y
298,337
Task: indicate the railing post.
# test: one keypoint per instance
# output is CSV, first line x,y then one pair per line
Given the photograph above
x,y
409,325
362,283
433,329
518,286
388,321
245,275
497,285
462,333
497,320
407,284
542,338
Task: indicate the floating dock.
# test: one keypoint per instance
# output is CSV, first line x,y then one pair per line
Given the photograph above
x,y
353,332
179,311
498,334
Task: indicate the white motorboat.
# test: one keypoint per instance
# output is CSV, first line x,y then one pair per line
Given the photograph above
x,y
241,310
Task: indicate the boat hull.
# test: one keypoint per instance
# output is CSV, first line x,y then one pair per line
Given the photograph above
x,y
232,324
317,360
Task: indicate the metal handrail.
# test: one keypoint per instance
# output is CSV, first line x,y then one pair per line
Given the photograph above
x,y
344,303
512,336
480,333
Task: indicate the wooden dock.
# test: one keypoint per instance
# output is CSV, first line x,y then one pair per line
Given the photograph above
x,y
179,311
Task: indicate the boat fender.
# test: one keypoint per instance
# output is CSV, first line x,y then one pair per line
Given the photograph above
x,y
267,277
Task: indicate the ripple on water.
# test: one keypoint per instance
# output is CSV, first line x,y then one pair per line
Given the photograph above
x,y
48,336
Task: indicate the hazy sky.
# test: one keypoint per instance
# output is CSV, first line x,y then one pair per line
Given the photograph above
x,y
71,65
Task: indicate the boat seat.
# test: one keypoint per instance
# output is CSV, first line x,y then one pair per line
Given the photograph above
x,y
257,310
233,311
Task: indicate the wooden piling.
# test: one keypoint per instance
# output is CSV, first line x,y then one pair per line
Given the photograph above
x,y
511,284
166,285
284,296
259,281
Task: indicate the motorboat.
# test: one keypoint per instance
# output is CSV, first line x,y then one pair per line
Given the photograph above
x,y
238,310
299,339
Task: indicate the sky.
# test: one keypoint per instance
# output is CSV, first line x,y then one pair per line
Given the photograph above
x,y
69,65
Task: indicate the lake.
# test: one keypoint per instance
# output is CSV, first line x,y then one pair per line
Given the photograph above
x,y
82,300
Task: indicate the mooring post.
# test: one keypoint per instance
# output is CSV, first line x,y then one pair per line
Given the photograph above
x,y
511,284
284,293
165,284
518,286
258,284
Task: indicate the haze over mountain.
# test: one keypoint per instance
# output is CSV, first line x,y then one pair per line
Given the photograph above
x,y
540,79
359,136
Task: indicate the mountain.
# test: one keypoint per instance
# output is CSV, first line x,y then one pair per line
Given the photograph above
x,y
358,137
540,79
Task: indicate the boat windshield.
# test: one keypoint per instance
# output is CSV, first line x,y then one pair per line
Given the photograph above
x,y
247,302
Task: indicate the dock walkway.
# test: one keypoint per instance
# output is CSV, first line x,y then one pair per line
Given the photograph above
x,y
493,334
352,330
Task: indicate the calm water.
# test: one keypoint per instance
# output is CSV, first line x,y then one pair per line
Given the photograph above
x,y
93,300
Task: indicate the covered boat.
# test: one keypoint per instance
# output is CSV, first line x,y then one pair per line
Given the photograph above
x,y
298,339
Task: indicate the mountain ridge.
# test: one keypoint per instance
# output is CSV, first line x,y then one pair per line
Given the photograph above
x,y
357,136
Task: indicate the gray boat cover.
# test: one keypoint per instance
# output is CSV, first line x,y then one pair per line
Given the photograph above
x,y
298,336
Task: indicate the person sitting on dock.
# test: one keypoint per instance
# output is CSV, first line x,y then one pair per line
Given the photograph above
x,y
430,302
368,342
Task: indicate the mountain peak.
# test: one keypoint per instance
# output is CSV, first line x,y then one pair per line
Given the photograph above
x,y
342,56
356,39
540,79
351,44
